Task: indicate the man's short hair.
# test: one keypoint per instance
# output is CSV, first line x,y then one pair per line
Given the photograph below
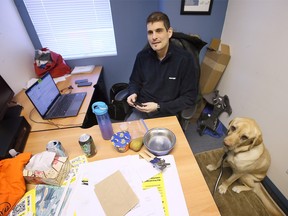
x,y
159,16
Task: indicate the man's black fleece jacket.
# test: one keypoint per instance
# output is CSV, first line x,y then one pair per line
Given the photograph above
x,y
172,82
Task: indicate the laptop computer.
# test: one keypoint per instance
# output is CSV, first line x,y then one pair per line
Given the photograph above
x,y
50,103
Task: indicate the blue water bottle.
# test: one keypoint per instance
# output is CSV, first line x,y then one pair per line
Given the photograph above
x,y
100,109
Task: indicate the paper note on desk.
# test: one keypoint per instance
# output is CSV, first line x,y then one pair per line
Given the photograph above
x,y
33,80
157,181
30,82
83,69
83,200
76,162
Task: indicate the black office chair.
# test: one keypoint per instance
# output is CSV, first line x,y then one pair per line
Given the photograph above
x,y
192,44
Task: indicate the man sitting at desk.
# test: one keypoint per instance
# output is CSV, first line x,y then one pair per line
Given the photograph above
x,y
163,81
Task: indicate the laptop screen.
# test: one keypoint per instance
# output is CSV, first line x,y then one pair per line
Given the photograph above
x,y
43,93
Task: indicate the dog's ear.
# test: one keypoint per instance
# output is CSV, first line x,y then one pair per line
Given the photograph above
x,y
231,122
236,119
257,141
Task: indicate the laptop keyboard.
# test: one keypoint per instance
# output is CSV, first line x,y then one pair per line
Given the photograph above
x,y
64,105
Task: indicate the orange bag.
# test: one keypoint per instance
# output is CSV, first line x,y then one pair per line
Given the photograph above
x,y
54,63
12,183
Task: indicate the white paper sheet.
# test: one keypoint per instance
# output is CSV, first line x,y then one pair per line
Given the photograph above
x,y
83,69
84,201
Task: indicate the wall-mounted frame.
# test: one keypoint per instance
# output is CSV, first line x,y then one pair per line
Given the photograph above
x,y
196,7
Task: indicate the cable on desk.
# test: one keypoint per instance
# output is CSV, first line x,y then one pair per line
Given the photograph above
x,y
69,88
70,125
49,122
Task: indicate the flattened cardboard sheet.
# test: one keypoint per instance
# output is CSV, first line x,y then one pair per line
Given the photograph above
x,y
115,195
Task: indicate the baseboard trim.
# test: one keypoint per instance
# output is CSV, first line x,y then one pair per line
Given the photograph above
x,y
276,195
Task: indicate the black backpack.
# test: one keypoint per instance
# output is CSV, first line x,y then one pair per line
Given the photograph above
x,y
116,109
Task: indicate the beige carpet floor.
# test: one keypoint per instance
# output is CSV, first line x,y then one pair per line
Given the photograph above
x,y
229,204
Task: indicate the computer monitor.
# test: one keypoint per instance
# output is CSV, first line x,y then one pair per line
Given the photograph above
x,y
6,95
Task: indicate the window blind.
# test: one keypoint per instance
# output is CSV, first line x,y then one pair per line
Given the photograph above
x,y
74,28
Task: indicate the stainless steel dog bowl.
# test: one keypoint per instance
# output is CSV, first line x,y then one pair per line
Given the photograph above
x,y
159,141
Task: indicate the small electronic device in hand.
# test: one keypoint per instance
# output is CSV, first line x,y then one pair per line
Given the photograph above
x,y
138,104
82,84
81,81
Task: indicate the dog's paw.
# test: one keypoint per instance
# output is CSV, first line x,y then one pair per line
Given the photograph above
x,y
237,189
222,189
240,188
211,167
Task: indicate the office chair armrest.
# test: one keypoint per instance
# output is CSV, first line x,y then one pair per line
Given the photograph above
x,y
187,114
122,95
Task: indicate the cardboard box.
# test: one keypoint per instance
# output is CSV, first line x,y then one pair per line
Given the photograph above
x,y
54,176
213,65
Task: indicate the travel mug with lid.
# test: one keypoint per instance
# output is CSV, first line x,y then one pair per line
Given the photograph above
x,y
100,109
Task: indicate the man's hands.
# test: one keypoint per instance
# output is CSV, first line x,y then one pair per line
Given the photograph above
x,y
146,107
132,99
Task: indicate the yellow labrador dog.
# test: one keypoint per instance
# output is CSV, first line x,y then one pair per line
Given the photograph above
x,y
247,157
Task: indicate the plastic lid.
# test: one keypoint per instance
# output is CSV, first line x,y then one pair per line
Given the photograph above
x,y
121,139
99,108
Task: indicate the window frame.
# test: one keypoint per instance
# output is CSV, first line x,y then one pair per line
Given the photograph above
x,y
33,34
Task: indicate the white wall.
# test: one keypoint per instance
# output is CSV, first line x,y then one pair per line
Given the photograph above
x,y
256,77
16,49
